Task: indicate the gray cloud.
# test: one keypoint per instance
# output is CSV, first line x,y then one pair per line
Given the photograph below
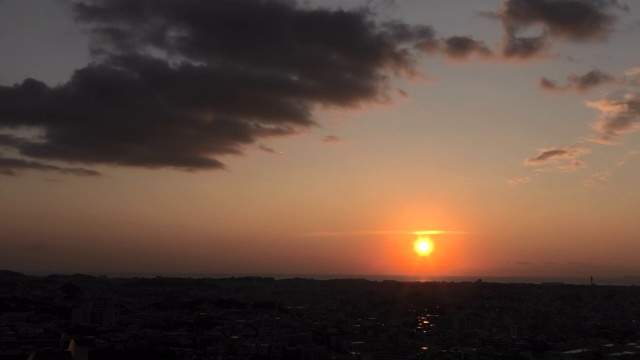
x,y
557,153
547,84
584,82
617,117
13,166
458,47
569,20
179,83
461,47
522,48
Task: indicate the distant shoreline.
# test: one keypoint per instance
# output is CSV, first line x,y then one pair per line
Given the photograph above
x,y
626,280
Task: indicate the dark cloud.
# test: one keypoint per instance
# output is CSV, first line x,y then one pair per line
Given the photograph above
x,y
461,47
577,20
591,79
424,39
547,84
553,154
10,140
584,82
13,166
569,20
521,48
177,83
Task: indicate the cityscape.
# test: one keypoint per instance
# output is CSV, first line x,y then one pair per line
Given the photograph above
x,y
253,318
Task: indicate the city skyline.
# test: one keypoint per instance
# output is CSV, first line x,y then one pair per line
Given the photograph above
x,y
279,137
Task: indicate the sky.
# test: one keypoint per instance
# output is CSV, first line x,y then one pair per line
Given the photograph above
x,y
317,137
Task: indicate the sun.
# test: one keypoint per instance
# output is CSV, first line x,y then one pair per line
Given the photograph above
x,y
423,246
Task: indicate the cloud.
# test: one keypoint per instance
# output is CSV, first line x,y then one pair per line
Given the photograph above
x,y
179,83
521,48
563,167
461,47
519,180
617,117
268,149
580,83
557,153
567,20
576,20
597,179
332,139
633,71
627,156
13,166
458,47
384,232
633,76
547,84
574,165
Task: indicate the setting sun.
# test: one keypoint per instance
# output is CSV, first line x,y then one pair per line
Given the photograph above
x,y
423,246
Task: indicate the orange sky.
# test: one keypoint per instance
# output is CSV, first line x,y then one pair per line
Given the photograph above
x,y
529,159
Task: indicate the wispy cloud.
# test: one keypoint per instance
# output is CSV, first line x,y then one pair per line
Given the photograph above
x,y
563,167
332,139
580,83
384,232
269,150
618,116
14,166
557,153
597,179
633,76
627,156
519,180
572,166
